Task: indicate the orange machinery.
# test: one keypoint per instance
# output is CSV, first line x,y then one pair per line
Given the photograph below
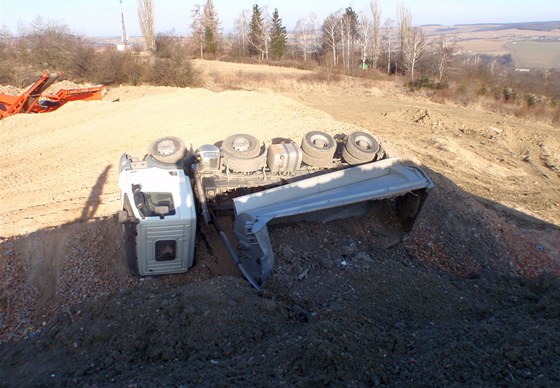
x,y
34,101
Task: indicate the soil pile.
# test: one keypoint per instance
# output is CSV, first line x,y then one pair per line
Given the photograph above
x,y
381,322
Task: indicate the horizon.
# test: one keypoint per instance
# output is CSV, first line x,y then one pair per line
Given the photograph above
x,y
104,18
422,25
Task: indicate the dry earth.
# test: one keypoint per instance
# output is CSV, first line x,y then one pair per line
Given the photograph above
x,y
472,297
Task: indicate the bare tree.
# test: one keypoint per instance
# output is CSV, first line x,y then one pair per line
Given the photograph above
x,y
242,31
147,23
266,30
348,28
5,38
197,28
365,28
388,41
331,35
445,48
306,35
405,24
376,27
205,28
492,66
414,49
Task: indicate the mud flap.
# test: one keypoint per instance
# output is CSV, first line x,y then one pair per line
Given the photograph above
x,y
254,248
129,238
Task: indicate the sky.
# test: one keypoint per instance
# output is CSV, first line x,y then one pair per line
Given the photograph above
x,y
103,17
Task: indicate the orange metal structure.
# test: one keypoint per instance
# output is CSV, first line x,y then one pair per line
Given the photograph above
x,y
34,101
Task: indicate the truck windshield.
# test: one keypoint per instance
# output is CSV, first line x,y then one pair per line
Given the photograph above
x,y
146,203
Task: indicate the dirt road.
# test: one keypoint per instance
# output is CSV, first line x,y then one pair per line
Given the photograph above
x,y
463,301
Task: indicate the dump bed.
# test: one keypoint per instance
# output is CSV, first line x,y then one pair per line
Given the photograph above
x,y
386,179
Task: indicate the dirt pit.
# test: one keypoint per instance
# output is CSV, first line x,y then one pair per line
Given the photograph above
x,y
472,297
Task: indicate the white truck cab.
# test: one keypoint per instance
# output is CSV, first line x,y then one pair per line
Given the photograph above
x,y
159,216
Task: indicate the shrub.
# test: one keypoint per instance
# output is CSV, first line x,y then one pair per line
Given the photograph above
x,y
531,100
171,65
508,94
172,72
426,82
321,75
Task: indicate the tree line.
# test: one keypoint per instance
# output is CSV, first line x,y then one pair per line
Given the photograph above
x,y
344,39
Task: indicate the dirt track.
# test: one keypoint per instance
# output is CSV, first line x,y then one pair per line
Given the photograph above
x,y
385,317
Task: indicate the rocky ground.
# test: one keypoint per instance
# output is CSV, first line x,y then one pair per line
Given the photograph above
x,y
471,298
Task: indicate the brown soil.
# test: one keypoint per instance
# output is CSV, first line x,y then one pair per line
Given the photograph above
x,y
471,298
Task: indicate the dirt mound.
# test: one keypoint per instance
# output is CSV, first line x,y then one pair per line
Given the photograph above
x,y
55,257
10,90
387,325
356,312
65,85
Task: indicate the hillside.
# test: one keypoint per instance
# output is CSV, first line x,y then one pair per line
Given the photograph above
x,y
473,296
532,44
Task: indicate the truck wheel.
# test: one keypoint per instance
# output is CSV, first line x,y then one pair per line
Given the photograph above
x,y
241,146
318,144
168,150
352,160
316,162
244,164
362,146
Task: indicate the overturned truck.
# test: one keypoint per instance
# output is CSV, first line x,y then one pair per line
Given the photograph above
x,y
322,179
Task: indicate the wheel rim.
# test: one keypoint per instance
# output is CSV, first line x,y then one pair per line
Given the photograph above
x,y
319,141
166,147
364,143
241,144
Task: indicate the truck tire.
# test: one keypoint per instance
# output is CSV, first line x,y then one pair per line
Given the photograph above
x,y
362,146
168,150
241,146
317,144
245,164
316,162
351,160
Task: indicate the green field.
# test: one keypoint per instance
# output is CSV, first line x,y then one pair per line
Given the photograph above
x,y
531,54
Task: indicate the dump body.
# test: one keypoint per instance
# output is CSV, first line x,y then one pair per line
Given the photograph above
x,y
351,186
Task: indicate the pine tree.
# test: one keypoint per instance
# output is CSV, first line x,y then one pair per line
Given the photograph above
x,y
278,36
211,26
256,40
